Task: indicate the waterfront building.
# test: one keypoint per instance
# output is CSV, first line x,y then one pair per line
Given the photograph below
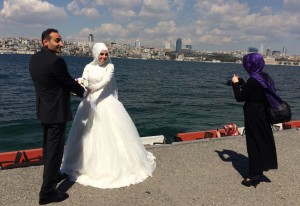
x,y
20,45
178,46
276,53
189,47
270,60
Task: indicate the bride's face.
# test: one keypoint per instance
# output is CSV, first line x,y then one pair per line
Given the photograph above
x,y
103,56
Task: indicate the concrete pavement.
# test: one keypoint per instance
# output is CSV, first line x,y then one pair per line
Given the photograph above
x,y
191,173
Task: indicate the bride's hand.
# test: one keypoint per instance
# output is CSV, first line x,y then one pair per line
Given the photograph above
x,y
82,81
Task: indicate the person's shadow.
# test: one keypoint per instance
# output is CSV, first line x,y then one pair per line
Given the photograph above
x,y
239,162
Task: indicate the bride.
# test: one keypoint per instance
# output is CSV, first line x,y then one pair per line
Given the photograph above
x,y
103,148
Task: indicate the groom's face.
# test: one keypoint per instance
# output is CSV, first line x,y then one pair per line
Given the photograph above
x,y
54,43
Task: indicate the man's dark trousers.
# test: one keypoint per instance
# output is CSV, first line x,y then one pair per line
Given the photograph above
x,y
53,150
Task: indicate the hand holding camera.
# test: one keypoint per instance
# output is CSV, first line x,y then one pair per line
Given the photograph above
x,y
235,79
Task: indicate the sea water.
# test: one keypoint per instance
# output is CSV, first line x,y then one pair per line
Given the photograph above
x,y
162,97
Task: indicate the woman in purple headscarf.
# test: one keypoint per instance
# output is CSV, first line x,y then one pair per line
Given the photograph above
x,y
257,93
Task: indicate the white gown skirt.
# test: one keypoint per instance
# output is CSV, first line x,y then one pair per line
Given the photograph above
x,y
104,149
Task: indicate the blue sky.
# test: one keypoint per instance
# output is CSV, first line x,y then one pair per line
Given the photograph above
x,y
210,25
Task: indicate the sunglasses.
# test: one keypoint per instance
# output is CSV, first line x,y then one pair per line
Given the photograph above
x,y
102,54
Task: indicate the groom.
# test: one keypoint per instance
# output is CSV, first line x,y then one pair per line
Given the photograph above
x,y
53,85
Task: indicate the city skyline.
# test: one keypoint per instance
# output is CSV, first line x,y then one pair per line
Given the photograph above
x,y
210,25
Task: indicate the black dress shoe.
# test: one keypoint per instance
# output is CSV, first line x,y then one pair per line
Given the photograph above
x,y
52,197
61,177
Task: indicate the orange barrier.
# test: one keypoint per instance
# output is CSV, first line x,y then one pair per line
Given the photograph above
x,y
189,136
25,158
291,124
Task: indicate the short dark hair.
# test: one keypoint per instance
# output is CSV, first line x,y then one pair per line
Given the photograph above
x,y
47,32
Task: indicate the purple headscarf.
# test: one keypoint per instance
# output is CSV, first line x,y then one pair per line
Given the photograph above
x,y
254,64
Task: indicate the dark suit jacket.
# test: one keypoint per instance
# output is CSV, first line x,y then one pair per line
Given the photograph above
x,y
53,85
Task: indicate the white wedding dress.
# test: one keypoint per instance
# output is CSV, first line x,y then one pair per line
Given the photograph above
x,y
103,148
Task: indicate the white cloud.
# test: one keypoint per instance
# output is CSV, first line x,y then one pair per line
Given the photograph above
x,y
86,11
156,9
216,23
128,4
73,6
162,28
31,12
109,4
179,4
221,22
208,22
121,15
106,30
292,5
267,10
136,26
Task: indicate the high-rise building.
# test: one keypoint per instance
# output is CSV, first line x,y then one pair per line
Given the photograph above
x,y
178,46
137,44
91,38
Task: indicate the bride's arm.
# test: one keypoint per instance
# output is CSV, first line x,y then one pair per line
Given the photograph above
x,y
85,73
106,79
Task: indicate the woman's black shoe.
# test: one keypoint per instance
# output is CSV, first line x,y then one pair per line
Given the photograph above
x,y
252,181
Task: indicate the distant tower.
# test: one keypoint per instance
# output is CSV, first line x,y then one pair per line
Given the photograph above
x,y
178,46
284,51
91,38
261,51
167,45
137,44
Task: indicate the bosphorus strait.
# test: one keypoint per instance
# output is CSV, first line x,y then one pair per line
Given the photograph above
x,y
162,97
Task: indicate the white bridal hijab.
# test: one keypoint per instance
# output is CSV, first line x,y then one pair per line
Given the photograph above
x,y
97,49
